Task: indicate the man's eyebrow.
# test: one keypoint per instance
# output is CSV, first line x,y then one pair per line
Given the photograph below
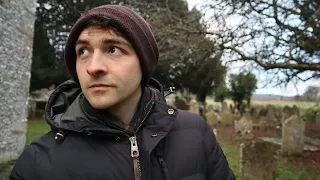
x,y
116,41
81,41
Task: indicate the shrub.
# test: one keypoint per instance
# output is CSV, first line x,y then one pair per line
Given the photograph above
x,y
309,114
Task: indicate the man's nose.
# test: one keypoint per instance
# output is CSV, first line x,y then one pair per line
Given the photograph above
x,y
96,66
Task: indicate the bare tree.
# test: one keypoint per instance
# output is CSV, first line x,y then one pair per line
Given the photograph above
x,y
282,37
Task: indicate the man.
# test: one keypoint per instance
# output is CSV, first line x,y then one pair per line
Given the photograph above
x,y
111,121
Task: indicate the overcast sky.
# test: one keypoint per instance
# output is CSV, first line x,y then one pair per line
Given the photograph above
x,y
290,90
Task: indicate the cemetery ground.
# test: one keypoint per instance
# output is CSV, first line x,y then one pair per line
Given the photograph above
x,y
307,167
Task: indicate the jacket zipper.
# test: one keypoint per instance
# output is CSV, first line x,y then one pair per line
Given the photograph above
x,y
135,157
135,149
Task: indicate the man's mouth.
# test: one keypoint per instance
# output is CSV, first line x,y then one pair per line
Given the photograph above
x,y
99,86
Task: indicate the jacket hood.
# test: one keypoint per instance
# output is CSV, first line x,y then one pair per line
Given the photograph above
x,y
64,110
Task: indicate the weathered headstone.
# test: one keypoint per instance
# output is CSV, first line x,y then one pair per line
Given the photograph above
x,y
278,113
255,111
243,128
194,106
271,113
211,118
293,136
16,37
286,113
295,110
258,161
180,103
318,118
209,108
225,107
226,118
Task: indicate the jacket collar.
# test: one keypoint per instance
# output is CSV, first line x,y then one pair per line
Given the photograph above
x,y
67,110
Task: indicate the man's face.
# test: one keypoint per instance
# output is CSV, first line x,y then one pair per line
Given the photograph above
x,y
108,68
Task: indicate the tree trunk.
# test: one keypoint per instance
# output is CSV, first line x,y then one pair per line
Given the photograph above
x,y
17,24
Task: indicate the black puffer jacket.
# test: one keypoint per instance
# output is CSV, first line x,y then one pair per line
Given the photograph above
x,y
172,144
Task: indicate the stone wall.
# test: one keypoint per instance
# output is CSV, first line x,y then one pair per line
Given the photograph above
x,y
16,37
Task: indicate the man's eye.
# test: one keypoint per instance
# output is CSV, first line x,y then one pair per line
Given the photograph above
x,y
115,50
83,51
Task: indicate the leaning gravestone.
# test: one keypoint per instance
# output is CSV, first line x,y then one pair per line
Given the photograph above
x,y
16,37
293,136
258,161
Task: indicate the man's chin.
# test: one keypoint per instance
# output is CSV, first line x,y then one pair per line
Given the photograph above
x,y
97,104
100,106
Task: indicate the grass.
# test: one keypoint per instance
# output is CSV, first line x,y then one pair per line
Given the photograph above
x,y
37,128
289,172
232,153
286,171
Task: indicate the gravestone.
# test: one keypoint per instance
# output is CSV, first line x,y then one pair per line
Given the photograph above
x,y
318,118
271,113
209,108
278,113
293,136
17,25
226,118
255,111
225,107
243,128
211,118
295,110
286,113
180,103
194,106
258,161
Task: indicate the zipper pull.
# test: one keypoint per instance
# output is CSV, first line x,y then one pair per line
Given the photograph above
x,y
134,147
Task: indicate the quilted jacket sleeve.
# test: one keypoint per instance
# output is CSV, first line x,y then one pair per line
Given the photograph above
x,y
218,167
24,168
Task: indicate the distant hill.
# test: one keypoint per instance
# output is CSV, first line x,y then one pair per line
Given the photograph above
x,y
271,97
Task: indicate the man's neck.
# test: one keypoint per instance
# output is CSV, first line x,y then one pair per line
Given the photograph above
x,y
125,111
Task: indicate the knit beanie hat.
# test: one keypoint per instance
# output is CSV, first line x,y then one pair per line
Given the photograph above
x,y
129,23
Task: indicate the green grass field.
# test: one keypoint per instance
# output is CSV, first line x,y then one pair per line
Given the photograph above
x,y
37,128
300,104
